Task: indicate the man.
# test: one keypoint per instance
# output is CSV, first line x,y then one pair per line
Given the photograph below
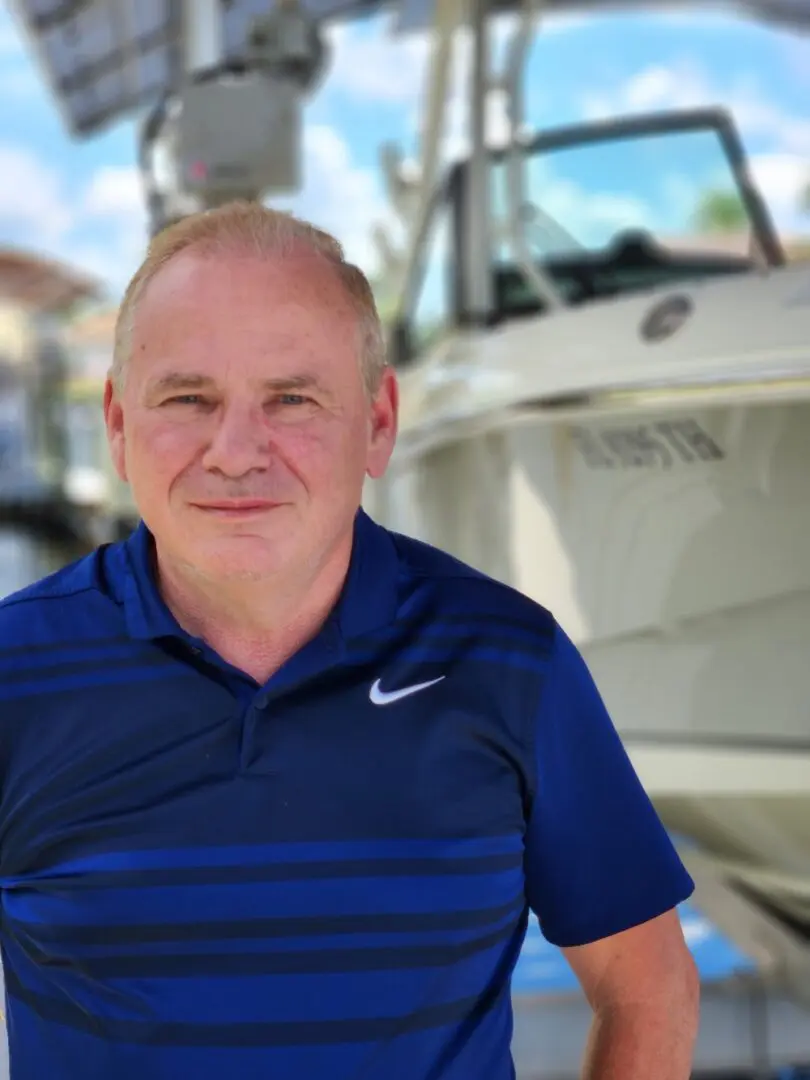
x,y
279,787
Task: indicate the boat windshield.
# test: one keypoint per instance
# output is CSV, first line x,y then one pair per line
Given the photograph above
x,y
621,211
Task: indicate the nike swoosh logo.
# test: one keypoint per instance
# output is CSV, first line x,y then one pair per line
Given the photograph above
x,y
383,697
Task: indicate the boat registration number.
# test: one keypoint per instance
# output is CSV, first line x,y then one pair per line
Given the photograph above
x,y
661,445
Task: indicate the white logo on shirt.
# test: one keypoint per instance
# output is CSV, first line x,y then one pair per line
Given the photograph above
x,y
383,697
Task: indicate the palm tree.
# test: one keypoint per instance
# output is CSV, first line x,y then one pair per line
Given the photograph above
x,y
720,212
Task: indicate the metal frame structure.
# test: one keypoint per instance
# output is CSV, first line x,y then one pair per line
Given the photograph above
x,y
680,121
469,180
105,59
102,62
456,193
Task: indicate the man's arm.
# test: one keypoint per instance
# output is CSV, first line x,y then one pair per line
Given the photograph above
x,y
644,989
605,880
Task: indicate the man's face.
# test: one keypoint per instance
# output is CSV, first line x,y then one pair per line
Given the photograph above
x,y
244,428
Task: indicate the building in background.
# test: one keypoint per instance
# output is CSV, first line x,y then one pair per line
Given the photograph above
x,y
89,340
39,530
37,298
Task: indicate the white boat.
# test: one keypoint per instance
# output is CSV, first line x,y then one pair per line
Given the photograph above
x,y
605,407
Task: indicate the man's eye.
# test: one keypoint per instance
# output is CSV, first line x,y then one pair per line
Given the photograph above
x,y
184,399
293,399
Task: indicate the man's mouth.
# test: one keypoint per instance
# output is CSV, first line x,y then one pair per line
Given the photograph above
x,y
235,507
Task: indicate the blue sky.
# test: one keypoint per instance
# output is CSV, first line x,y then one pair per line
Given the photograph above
x,y
81,200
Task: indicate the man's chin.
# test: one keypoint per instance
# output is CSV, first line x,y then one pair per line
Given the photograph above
x,y
238,558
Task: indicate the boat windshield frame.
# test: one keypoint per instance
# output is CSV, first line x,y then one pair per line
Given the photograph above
x,y
452,192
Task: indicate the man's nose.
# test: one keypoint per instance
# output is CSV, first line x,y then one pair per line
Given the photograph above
x,y
239,444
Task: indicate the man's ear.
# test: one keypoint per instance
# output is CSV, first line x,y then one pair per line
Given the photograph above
x,y
114,423
384,418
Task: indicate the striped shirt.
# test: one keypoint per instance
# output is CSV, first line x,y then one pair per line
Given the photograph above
x,y
324,877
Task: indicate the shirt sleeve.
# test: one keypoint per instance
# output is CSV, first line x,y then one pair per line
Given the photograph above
x,y
598,859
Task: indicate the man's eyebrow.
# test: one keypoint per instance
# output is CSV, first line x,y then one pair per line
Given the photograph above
x,y
292,382
178,380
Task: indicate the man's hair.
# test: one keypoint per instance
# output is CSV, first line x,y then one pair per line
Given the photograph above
x,y
247,228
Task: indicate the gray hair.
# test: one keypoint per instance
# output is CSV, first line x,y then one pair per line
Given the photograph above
x,y
252,228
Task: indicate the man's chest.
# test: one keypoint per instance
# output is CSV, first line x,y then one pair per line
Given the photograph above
x,y
365,795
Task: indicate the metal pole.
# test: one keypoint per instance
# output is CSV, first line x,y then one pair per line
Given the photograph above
x,y
478,206
516,162
202,34
760,1043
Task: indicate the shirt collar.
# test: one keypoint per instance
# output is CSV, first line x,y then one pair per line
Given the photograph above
x,y
367,602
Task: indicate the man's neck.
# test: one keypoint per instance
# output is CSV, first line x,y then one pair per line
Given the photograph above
x,y
254,625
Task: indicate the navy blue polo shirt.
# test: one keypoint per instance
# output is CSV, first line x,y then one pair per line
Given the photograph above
x,y
326,877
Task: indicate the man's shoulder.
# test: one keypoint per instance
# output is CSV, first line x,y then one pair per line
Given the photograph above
x,y
460,590
59,606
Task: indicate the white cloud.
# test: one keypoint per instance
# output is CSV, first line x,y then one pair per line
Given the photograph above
x,y
685,85
597,217
393,68
38,213
375,64
696,930
112,202
759,117
678,86
590,216
782,178
782,175
372,60
33,206
338,195
781,172
115,191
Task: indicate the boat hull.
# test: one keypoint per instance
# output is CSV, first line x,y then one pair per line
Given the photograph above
x,y
674,547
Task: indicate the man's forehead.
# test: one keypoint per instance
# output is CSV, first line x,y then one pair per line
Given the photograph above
x,y
229,305
239,320
197,278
